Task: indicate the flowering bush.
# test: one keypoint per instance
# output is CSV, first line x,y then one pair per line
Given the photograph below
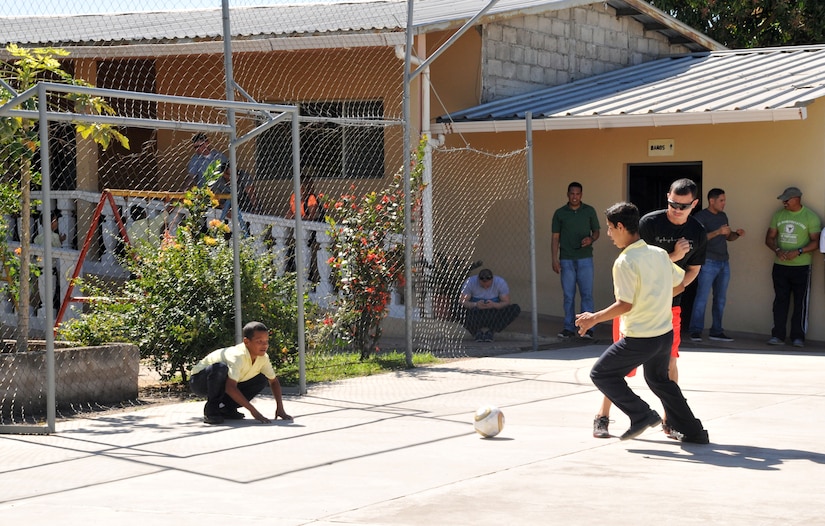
x,y
180,305
368,256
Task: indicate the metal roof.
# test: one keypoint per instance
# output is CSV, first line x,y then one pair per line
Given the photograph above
x,y
307,20
712,87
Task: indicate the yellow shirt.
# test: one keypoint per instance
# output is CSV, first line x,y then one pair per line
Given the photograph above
x,y
644,276
239,361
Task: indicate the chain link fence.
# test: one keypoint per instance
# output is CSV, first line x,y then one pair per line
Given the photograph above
x,y
159,190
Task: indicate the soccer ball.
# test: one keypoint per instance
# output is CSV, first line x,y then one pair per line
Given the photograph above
x,y
489,421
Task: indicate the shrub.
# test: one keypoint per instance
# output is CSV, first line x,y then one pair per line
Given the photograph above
x,y
179,306
368,255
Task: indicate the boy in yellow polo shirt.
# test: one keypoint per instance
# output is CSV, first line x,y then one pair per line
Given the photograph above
x,y
644,283
229,378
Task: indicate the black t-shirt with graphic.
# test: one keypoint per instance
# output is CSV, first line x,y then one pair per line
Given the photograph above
x,y
657,230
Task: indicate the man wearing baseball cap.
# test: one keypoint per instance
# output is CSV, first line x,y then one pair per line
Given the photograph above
x,y
792,236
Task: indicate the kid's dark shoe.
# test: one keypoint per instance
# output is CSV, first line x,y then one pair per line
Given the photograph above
x,y
652,419
212,419
232,414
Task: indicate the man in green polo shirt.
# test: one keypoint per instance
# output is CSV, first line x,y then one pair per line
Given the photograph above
x,y
575,228
792,236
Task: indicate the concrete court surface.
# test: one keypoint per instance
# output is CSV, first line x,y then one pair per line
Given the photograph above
x,y
399,449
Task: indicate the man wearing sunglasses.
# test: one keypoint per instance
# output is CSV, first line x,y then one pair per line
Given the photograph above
x,y
793,235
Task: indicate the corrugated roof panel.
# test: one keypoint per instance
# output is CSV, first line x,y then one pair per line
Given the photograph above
x,y
720,81
283,20
292,20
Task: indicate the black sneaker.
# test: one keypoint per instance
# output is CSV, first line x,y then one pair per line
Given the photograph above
x,y
699,438
488,336
652,419
697,337
600,424
721,337
588,335
565,334
479,336
212,419
232,414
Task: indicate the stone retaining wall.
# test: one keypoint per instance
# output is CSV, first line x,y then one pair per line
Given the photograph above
x,y
104,374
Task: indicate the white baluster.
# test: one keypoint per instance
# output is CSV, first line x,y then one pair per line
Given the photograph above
x,y
324,288
110,236
280,238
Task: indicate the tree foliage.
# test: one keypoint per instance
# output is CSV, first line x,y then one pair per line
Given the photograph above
x,y
752,23
20,143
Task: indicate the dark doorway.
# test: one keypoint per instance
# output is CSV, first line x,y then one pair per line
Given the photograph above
x,y
647,189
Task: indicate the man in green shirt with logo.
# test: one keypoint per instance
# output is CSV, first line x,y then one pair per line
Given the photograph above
x,y
793,235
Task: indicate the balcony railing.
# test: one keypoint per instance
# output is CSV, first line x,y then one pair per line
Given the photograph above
x,y
270,233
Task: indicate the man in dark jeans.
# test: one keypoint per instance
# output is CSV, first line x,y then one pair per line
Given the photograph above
x,y
229,378
487,300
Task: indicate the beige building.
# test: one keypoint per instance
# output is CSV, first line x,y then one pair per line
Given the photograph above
x,y
610,109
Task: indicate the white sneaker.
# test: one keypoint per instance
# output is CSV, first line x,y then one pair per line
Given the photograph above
x,y
775,341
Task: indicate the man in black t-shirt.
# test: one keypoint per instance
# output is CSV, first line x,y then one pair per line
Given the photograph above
x,y
685,239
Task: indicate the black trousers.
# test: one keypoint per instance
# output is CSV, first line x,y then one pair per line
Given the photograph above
x,y
211,383
494,319
609,371
790,281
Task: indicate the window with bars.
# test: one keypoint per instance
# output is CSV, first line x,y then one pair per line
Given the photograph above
x,y
343,140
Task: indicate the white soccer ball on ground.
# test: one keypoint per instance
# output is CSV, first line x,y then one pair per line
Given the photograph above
x,y
489,421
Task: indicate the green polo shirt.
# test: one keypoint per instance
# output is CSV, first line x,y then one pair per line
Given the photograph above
x,y
572,226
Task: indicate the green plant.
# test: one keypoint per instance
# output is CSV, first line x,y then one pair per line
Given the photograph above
x,y
368,255
180,305
20,142
327,367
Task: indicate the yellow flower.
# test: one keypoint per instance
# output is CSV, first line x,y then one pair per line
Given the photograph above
x,y
211,241
216,223
187,202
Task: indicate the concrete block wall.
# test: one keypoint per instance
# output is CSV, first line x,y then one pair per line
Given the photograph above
x,y
536,51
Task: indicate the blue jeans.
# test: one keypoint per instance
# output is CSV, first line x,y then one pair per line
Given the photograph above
x,y
713,275
576,272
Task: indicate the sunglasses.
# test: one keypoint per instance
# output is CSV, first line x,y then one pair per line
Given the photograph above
x,y
485,278
679,206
